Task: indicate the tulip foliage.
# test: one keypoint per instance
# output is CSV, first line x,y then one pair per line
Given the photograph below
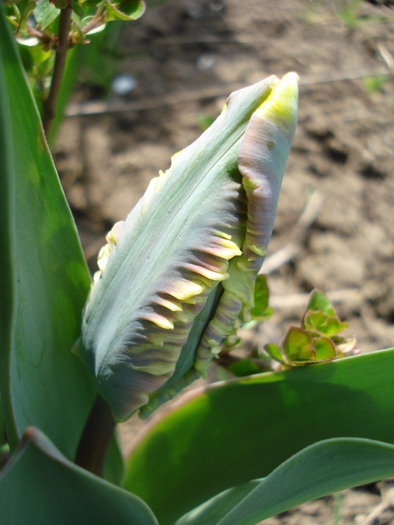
x,y
176,280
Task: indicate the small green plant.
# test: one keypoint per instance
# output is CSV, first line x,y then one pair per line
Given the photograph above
x,y
47,30
375,84
350,12
204,121
176,281
317,340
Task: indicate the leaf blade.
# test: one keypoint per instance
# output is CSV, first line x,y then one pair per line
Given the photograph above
x,y
319,470
38,471
241,419
42,382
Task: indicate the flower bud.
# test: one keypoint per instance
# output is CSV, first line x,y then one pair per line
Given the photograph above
x,y
177,278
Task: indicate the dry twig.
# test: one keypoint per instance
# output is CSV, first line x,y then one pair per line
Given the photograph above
x,y
100,107
387,57
386,504
288,252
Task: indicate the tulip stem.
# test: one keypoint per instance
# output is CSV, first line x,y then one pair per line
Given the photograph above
x,y
58,70
96,437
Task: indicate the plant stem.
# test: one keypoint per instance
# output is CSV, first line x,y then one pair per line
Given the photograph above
x,y
98,17
58,70
96,437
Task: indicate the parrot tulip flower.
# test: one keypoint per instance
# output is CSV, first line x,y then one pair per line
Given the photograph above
x,y
177,277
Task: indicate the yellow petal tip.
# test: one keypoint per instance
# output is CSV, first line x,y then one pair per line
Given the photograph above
x,y
281,105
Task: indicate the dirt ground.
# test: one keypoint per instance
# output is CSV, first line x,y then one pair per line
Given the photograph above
x,y
186,56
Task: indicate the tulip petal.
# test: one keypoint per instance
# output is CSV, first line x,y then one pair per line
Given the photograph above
x,y
175,247
262,159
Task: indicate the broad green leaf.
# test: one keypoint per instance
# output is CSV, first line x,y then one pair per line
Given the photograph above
x,y
324,349
240,430
18,14
114,462
323,323
260,310
39,485
245,367
77,8
274,352
45,14
298,345
319,302
34,57
7,216
124,9
316,471
44,279
211,511
2,426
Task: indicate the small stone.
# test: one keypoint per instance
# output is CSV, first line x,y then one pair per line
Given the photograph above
x,y
123,84
205,61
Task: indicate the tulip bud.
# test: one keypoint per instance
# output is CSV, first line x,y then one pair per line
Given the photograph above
x,y
177,277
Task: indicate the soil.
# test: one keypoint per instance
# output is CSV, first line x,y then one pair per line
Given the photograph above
x,y
186,56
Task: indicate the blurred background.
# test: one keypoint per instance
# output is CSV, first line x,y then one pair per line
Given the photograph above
x,y
149,88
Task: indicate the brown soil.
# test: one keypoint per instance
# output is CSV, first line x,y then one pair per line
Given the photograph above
x,y
187,56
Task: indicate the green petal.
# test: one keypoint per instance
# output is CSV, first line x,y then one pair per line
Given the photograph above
x,y
261,159
172,251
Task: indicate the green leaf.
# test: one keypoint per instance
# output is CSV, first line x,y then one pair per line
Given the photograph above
x,y
316,471
114,463
2,427
298,345
45,14
243,429
322,323
324,349
274,352
125,9
77,8
260,310
211,511
40,485
245,367
319,302
44,279
25,8
7,188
